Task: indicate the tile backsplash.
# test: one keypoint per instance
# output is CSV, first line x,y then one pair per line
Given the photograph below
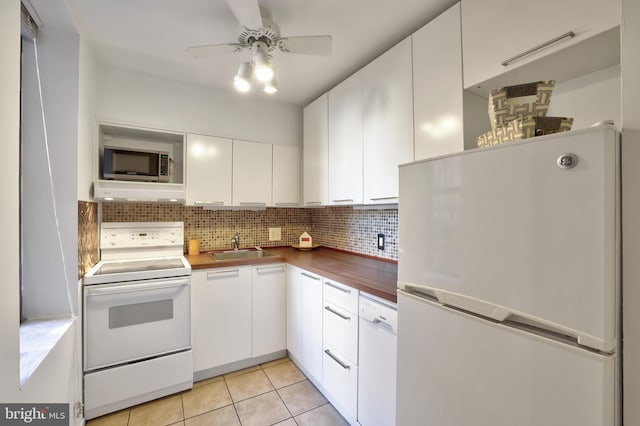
x,y
338,227
88,236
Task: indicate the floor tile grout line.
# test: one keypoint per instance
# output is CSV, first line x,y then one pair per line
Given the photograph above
x,y
232,402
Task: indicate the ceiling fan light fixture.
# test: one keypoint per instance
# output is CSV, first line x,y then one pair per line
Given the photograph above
x,y
264,68
243,77
270,86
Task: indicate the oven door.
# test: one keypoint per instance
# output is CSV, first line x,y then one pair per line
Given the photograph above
x,y
135,320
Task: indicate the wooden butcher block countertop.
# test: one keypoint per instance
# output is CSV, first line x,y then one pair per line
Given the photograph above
x,y
371,275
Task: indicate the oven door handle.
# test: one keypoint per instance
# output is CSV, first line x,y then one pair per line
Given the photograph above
x,y
131,288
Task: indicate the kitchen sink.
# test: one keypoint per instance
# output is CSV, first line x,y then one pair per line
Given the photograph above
x,y
241,254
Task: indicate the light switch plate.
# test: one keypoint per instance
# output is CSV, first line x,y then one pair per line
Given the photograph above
x,y
275,234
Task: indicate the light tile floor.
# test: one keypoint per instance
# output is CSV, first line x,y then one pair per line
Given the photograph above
x,y
275,393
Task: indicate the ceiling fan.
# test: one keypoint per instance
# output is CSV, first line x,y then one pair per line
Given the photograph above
x,y
261,36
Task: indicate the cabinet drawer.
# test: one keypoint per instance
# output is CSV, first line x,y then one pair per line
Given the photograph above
x,y
340,330
342,295
340,381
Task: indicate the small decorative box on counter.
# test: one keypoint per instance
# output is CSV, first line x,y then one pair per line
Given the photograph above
x,y
523,128
519,101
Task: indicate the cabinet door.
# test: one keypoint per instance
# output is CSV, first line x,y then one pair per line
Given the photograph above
x,y
315,153
388,122
286,176
221,317
312,325
294,312
437,86
268,310
345,141
209,162
252,173
340,380
494,31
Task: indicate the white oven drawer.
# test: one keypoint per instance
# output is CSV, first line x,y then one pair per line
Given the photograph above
x,y
113,389
135,320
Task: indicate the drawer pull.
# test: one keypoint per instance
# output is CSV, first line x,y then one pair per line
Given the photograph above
x,y
344,290
382,198
270,269
345,200
344,317
335,358
310,276
209,203
570,34
218,274
314,203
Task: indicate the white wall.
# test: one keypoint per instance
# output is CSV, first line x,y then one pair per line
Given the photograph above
x,y
140,99
9,214
631,210
86,120
588,99
58,378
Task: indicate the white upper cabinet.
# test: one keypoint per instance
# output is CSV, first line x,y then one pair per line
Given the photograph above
x,y
209,166
437,86
252,173
315,153
497,34
345,141
286,176
387,122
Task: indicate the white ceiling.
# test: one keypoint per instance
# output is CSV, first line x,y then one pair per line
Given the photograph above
x,y
150,36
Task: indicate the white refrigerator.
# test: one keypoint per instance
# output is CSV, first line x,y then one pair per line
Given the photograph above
x,y
509,284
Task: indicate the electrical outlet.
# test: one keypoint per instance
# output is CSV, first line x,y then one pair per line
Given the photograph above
x,y
275,234
380,241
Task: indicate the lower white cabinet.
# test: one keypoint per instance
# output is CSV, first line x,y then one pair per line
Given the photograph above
x,y
312,325
294,312
304,321
220,316
237,314
268,311
340,381
340,347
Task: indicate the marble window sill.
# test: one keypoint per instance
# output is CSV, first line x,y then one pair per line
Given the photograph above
x,y
37,339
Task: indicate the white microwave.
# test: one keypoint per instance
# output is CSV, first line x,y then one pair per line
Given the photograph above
x,y
135,164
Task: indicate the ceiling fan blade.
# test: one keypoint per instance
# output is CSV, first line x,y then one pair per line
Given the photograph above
x,y
247,12
308,45
212,49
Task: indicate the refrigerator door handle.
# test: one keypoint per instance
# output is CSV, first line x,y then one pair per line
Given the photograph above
x,y
466,303
514,319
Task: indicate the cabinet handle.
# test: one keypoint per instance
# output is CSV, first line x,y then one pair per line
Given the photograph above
x,y
270,268
217,274
314,203
344,290
209,203
288,204
310,276
383,198
344,317
252,203
343,200
336,359
570,34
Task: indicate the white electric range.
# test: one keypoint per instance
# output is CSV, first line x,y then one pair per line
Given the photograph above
x,y
137,317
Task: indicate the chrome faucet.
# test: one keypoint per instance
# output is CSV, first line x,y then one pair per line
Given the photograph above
x,y
235,241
